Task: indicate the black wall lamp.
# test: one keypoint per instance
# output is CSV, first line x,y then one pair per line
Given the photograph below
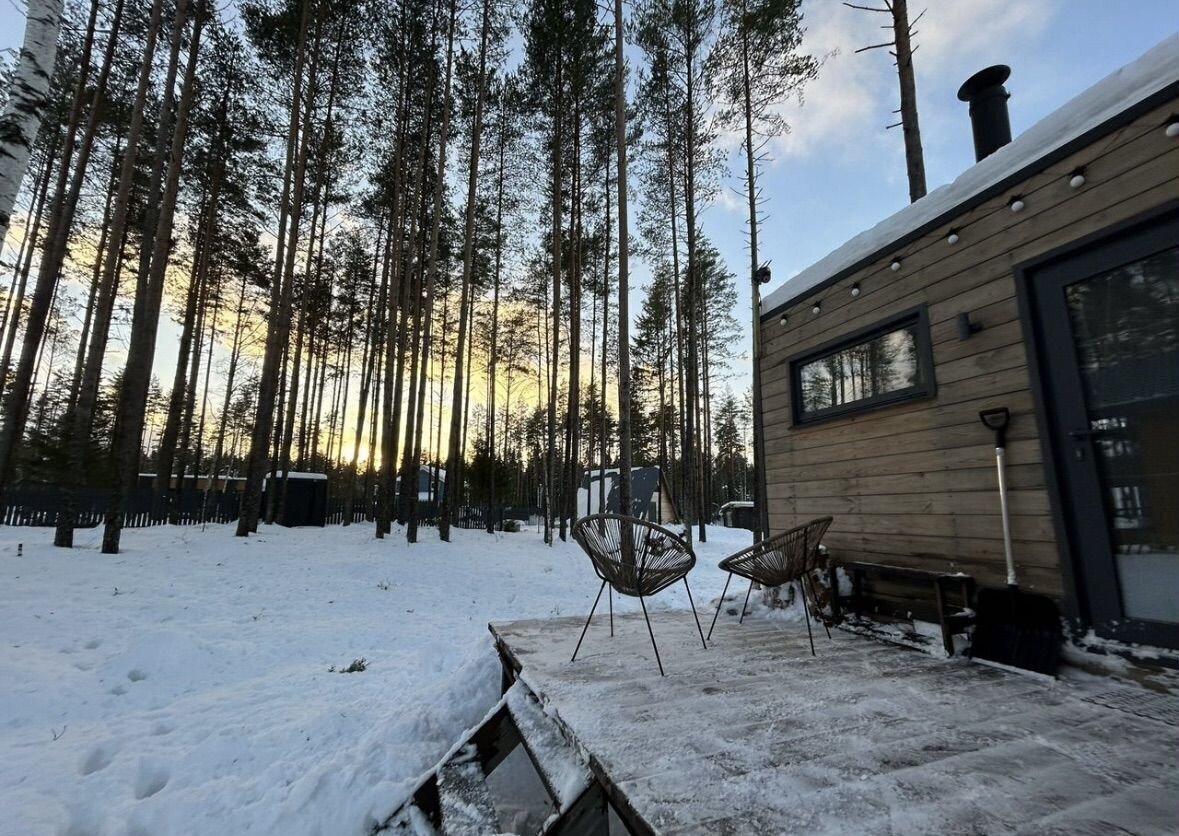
x,y
966,328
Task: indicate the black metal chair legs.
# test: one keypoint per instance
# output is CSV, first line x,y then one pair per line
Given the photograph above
x,y
658,661
720,604
591,615
802,584
646,617
695,615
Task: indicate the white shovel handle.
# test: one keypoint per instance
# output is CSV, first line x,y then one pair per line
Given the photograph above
x,y
1000,462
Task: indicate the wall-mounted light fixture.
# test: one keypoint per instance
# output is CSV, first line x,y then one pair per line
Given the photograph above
x,y
952,238
1016,204
895,265
966,328
1076,178
855,290
782,320
1172,126
817,308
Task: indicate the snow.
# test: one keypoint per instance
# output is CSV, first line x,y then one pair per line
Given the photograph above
x,y
294,474
183,686
1118,92
755,735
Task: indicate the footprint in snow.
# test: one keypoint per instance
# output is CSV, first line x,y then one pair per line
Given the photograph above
x,y
152,778
162,728
98,758
118,691
136,675
93,644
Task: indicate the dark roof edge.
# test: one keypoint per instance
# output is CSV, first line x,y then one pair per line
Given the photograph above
x,y
1071,147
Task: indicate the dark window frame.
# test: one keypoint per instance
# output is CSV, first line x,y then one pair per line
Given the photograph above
x,y
918,316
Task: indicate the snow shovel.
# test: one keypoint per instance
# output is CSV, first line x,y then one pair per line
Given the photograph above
x,y
1014,628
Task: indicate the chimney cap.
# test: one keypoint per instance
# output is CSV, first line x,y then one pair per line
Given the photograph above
x,y
983,80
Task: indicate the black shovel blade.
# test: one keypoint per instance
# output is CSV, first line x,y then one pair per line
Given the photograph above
x,y
1017,629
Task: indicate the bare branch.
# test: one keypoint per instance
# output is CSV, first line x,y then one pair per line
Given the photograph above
x,y
875,46
868,8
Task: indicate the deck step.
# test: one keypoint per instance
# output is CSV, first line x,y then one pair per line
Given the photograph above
x,y
561,767
453,799
464,800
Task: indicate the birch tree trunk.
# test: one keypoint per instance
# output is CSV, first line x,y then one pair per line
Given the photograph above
x,y
27,101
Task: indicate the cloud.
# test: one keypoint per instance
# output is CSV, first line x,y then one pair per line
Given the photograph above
x,y
848,106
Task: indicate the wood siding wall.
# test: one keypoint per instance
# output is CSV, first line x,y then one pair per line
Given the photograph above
x,y
914,484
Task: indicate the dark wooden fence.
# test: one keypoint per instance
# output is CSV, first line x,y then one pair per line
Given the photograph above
x,y
39,505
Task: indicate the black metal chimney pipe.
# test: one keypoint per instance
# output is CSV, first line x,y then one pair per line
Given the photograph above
x,y
988,109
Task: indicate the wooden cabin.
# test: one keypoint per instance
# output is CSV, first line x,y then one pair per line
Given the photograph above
x,y
1044,279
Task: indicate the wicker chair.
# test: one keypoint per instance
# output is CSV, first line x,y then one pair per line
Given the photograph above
x,y
784,558
636,558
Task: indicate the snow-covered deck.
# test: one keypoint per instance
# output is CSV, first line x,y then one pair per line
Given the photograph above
x,y
753,736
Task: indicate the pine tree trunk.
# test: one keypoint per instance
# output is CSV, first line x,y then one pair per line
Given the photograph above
x,y
14,305
279,303
136,382
914,156
493,353
624,393
691,454
77,439
454,478
552,464
201,264
760,510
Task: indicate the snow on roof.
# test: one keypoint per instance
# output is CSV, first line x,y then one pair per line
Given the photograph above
x,y
1117,93
296,475
429,470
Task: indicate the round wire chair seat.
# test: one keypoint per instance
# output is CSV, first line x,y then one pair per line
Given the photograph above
x,y
785,558
636,558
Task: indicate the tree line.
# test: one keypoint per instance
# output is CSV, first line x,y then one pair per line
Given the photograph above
x,y
368,239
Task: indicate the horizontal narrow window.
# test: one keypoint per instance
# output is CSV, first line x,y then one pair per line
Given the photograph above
x,y
876,366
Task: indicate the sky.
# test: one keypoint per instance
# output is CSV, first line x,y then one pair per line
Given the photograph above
x,y
839,170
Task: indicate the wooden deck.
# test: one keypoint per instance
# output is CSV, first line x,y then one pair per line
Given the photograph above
x,y
753,736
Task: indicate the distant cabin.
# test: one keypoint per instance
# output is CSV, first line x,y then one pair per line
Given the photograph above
x,y
1044,279
738,514
426,488
307,497
650,496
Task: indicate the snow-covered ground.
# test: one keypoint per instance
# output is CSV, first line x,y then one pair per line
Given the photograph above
x,y
186,686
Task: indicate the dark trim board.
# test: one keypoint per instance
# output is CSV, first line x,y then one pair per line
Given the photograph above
x,y
1114,248
1086,139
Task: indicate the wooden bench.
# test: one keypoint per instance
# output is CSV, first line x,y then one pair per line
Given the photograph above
x,y
951,607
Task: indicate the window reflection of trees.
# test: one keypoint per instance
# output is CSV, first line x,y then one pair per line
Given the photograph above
x,y
883,364
1126,327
